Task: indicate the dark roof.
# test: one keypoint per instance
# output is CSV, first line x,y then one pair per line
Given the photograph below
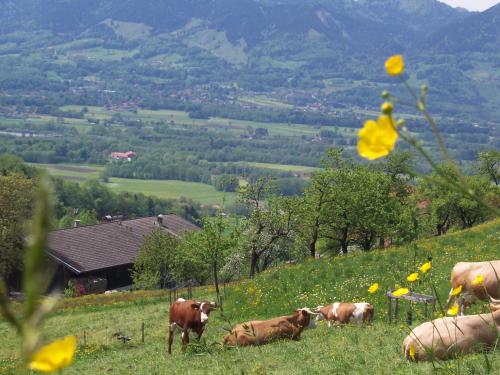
x,y
94,247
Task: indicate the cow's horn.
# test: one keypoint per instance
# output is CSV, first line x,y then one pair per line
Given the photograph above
x,y
494,300
308,310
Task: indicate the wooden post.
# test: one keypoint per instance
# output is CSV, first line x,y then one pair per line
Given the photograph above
x,y
426,310
396,310
220,304
389,309
85,339
142,332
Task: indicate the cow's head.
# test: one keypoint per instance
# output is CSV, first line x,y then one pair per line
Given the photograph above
x,y
321,315
205,308
305,317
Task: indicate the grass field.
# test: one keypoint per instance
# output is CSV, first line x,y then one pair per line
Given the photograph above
x,y
170,189
372,349
282,167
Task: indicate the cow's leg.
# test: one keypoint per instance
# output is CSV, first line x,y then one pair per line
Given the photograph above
x,y
200,332
185,337
329,324
171,328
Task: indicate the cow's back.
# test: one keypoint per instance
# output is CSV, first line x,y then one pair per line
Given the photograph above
x,y
463,273
445,340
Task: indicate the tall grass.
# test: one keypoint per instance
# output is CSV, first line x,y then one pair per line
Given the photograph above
x,y
372,349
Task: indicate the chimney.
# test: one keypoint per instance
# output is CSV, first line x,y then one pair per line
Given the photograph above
x,y
76,223
159,219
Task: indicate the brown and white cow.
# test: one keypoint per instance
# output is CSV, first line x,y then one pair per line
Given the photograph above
x,y
445,338
464,273
186,315
260,332
345,312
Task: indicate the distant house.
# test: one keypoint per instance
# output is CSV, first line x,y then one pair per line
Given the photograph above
x,y
123,155
106,250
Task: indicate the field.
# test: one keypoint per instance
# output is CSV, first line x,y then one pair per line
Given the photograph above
x,y
372,349
170,189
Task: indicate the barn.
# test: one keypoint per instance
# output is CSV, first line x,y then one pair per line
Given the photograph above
x,y
104,253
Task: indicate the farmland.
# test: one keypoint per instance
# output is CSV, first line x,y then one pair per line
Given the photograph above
x,y
170,189
374,349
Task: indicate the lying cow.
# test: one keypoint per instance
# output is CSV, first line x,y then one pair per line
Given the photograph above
x,y
444,338
464,273
185,316
259,332
344,313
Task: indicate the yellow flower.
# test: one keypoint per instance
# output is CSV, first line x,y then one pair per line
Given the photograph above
x,y
452,311
401,292
373,288
412,351
426,267
377,139
413,277
478,280
395,65
387,108
456,291
54,356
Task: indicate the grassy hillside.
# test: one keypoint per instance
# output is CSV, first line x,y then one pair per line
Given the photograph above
x,y
349,350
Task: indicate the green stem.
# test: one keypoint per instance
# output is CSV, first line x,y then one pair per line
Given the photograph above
x,y
450,182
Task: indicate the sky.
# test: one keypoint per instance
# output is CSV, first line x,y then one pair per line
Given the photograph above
x,y
471,4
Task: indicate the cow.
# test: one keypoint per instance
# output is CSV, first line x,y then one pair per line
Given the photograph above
x,y
448,337
345,312
186,315
464,273
260,332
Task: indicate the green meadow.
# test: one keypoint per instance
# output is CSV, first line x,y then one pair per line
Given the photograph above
x,y
374,349
169,189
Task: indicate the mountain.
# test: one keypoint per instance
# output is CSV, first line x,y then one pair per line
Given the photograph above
x,y
326,51
478,33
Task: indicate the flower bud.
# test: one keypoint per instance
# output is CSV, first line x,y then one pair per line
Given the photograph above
x,y
387,108
385,94
401,122
424,89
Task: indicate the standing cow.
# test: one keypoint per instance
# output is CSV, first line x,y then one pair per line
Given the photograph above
x,y
345,312
445,338
186,315
464,273
259,332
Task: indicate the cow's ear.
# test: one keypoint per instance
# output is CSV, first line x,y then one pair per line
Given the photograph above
x,y
195,305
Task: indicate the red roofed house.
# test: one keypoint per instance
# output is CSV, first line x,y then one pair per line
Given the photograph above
x,y
107,250
123,155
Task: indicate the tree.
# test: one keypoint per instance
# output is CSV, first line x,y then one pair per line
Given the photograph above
x,y
16,201
214,243
489,165
271,224
155,266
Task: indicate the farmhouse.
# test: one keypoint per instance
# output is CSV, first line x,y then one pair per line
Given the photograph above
x,y
106,251
123,155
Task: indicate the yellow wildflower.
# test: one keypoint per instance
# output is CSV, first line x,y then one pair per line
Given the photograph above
x,y
386,108
478,280
401,292
373,288
452,311
426,267
54,356
456,291
413,277
395,65
412,351
377,139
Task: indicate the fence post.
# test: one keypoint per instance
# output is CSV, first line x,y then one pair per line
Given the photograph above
x,y
85,339
220,304
142,332
389,309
